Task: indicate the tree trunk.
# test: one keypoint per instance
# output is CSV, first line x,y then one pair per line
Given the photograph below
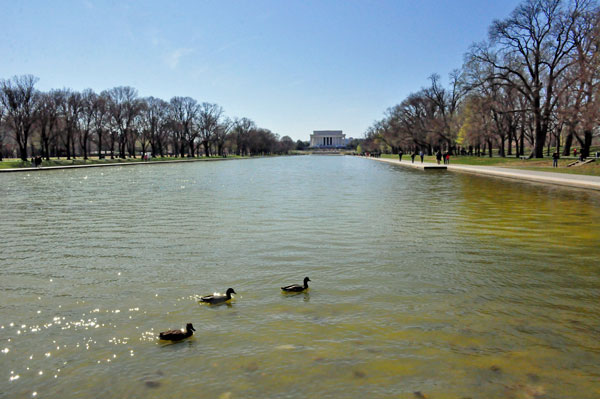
x,y
22,151
587,142
73,147
100,155
68,148
522,142
568,143
112,146
540,138
46,148
85,146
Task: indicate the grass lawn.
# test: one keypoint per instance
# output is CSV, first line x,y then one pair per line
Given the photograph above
x,y
543,165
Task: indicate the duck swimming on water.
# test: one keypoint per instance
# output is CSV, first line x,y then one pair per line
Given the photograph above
x,y
216,299
297,287
178,335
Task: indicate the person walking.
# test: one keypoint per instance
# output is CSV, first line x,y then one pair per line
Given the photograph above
x,y
438,156
421,154
447,159
412,156
400,153
555,160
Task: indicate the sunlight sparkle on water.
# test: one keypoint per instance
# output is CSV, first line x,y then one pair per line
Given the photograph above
x,y
450,314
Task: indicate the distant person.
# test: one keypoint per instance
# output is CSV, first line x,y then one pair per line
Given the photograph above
x,y
447,159
421,154
412,156
574,152
400,153
581,157
555,159
438,156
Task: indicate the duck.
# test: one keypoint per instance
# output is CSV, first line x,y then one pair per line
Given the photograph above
x,y
297,287
216,298
178,335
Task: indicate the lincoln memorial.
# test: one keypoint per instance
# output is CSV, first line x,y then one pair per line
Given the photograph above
x,y
327,139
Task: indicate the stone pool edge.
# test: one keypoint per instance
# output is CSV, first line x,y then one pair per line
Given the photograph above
x,y
98,165
561,179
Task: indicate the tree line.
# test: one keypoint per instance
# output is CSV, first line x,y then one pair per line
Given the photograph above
x,y
119,123
532,85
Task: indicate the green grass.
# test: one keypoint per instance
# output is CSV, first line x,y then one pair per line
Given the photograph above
x,y
542,165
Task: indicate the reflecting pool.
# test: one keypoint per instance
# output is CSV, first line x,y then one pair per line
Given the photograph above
x,y
424,284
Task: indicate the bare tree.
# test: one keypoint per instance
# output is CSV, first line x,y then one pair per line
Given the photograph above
x,y
209,117
241,131
47,120
286,144
70,106
444,122
531,50
124,108
262,142
184,111
18,96
89,101
221,133
2,130
582,104
101,120
498,99
154,118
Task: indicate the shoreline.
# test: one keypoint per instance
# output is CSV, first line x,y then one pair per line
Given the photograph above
x,y
561,179
99,165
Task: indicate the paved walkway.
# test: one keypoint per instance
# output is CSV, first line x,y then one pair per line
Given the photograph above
x,y
562,179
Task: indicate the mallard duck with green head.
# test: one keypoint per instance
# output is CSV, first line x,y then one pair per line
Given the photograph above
x,y
215,299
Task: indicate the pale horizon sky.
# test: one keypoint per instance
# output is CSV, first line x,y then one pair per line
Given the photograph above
x,y
291,66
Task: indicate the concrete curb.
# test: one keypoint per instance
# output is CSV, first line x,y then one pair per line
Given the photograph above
x,y
100,165
561,179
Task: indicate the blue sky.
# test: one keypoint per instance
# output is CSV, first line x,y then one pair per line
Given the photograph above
x,y
291,66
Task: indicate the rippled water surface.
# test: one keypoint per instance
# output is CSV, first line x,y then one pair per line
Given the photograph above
x,y
424,283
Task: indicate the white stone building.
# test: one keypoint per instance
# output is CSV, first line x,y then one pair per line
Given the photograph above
x,y
327,139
